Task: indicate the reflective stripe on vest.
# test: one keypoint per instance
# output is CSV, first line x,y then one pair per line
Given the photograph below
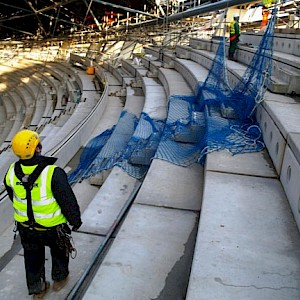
x,y
45,208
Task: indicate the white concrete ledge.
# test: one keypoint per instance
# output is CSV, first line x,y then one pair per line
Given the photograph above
x,y
248,246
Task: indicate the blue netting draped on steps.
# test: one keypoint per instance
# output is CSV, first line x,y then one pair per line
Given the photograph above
x,y
142,146
130,144
249,91
115,145
103,151
218,117
88,155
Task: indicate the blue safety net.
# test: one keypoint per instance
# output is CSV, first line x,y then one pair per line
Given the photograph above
x,y
113,150
142,146
105,150
130,144
218,117
88,155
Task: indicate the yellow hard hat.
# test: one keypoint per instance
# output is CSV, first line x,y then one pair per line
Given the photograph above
x,y
24,143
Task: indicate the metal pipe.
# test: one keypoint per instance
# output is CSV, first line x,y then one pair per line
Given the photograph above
x,y
124,8
202,9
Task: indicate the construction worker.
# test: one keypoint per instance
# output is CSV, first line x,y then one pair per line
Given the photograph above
x,y
43,203
234,36
266,4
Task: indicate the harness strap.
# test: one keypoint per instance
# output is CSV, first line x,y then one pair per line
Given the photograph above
x,y
28,181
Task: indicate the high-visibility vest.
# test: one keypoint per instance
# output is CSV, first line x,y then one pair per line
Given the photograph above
x,y
232,28
46,210
267,3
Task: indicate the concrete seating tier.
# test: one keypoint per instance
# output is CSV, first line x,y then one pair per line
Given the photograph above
x,y
151,253
17,117
278,117
121,74
244,207
8,112
283,42
84,91
48,84
205,252
247,238
84,193
205,59
68,76
2,111
132,67
24,95
191,71
12,79
172,80
280,127
6,128
32,93
8,105
32,82
90,98
285,67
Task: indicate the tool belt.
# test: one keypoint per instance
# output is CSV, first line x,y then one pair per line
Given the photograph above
x,y
36,226
65,240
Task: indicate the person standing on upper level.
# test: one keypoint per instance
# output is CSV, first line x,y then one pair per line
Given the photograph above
x,y
234,36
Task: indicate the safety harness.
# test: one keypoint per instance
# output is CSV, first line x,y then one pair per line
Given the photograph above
x,y
28,182
64,240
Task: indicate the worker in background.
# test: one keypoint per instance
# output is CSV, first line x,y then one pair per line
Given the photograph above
x,y
266,4
43,203
234,36
265,18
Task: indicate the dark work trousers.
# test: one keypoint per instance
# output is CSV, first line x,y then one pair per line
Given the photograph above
x,y
34,242
232,47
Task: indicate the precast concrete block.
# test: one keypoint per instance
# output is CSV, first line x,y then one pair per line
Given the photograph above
x,y
199,44
294,143
273,139
201,60
284,44
285,115
190,79
296,50
289,178
182,52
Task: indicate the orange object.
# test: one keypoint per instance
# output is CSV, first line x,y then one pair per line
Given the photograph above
x,y
90,70
265,17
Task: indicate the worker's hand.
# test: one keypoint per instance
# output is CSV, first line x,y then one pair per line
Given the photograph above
x,y
75,228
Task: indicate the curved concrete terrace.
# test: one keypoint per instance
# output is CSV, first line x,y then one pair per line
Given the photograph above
x,y
215,231
169,198
232,222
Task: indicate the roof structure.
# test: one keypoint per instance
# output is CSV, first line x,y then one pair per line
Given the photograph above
x,y
44,20
52,18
